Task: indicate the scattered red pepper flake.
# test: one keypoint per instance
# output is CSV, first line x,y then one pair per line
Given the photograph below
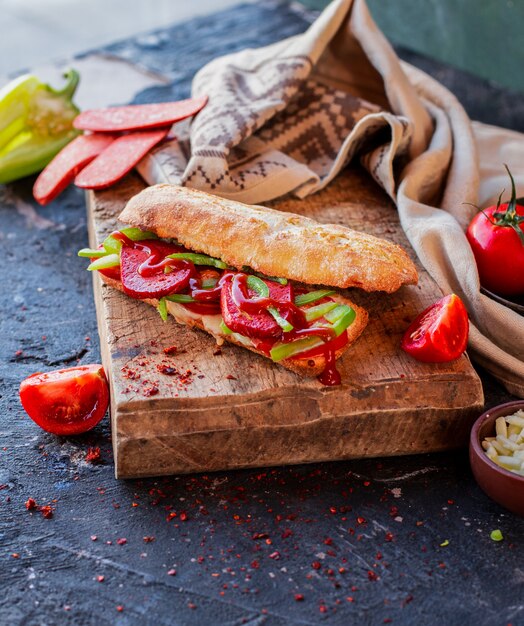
x,y
119,608
148,539
46,511
171,350
275,555
15,555
256,536
372,575
191,605
122,541
316,565
183,516
389,537
323,608
93,537
171,572
93,455
100,579
30,504
299,597
231,377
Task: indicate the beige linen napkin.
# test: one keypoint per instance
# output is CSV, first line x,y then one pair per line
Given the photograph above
x,y
288,117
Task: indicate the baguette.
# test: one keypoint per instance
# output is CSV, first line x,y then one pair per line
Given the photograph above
x,y
269,241
312,366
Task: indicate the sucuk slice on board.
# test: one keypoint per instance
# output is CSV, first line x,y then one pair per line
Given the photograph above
x,y
67,164
138,116
118,159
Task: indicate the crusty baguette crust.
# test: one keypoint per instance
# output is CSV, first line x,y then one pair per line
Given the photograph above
x,y
269,241
305,367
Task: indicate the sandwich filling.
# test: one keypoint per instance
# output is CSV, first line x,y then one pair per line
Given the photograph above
x,y
267,314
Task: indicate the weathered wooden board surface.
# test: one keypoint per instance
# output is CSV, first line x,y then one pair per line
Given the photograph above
x,y
203,410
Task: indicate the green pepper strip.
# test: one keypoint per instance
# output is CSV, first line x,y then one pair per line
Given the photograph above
x,y
162,309
258,285
225,329
275,279
199,259
315,312
90,253
105,262
113,246
180,298
286,350
312,296
36,122
342,317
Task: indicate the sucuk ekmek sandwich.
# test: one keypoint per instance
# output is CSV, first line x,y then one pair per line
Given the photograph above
x,y
245,274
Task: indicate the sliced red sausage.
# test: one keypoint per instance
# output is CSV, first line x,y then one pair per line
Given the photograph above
x,y
259,325
67,163
138,116
118,159
156,283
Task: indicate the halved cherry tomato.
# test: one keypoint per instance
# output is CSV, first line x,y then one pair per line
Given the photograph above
x,y
68,401
439,333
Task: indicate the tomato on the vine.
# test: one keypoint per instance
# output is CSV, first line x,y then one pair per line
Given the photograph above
x,y
439,333
68,401
496,236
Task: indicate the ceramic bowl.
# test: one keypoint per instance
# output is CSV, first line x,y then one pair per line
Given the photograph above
x,y
503,486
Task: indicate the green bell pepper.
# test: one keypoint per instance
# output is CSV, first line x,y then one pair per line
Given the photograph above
x,y
36,122
258,285
198,259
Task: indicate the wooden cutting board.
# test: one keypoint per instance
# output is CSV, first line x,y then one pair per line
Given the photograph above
x,y
202,409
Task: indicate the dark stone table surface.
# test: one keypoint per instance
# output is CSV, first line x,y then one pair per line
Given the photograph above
x,y
400,540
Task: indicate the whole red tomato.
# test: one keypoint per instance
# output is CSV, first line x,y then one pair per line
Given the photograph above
x,y
439,333
66,402
496,236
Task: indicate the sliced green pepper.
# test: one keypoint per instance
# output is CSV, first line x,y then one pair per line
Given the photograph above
x,y
275,279
113,245
105,262
198,259
36,122
320,310
181,298
312,296
341,318
285,350
90,253
224,329
162,309
258,285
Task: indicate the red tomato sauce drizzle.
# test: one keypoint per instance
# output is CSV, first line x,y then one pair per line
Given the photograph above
x,y
207,303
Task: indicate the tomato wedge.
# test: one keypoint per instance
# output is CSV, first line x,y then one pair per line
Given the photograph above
x,y
440,333
68,401
157,284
